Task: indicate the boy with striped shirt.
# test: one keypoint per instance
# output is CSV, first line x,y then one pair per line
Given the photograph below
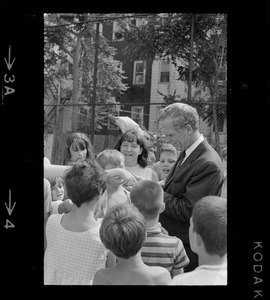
x,y
159,249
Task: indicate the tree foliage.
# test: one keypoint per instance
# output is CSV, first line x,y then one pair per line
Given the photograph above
x,y
168,36
69,57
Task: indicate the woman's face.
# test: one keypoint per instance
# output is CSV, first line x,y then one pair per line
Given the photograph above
x,y
131,151
58,191
76,153
167,160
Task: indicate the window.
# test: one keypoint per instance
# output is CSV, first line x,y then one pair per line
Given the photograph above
x,y
164,71
139,72
116,35
137,114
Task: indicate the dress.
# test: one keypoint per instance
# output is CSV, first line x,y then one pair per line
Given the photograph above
x,y
137,170
203,275
72,258
162,250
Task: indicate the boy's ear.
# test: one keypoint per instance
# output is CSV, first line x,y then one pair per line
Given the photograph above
x,y
162,207
199,240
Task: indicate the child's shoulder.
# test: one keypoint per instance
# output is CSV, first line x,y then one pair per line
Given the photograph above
x,y
160,275
104,277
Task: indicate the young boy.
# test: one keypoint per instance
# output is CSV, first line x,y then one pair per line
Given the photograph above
x,y
59,205
168,157
208,238
159,249
115,194
123,232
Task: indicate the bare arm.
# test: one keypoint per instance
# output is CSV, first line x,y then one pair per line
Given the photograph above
x,y
55,170
176,272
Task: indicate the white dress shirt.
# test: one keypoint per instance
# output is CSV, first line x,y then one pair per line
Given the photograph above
x,y
193,147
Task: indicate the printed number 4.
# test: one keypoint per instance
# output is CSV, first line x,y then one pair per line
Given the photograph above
x,y
9,224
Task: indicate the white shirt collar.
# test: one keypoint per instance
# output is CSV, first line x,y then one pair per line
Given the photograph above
x,y
193,147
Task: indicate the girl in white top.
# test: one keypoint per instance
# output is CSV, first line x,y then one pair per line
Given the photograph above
x,y
74,250
134,148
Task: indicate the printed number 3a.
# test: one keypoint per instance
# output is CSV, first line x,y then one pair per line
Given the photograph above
x,y
9,224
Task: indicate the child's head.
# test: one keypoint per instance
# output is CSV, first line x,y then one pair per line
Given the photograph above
x,y
85,182
123,230
151,158
209,225
57,188
110,158
131,139
168,157
78,148
147,196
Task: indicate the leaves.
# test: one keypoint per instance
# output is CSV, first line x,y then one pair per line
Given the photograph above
x,y
59,57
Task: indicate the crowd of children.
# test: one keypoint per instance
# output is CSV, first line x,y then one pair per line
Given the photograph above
x,y
102,226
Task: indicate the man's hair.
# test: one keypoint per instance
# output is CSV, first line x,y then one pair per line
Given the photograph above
x,y
84,182
134,136
123,230
182,114
209,217
147,196
110,156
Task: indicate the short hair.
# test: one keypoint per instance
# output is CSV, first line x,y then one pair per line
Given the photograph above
x,y
110,156
169,148
134,136
55,180
209,217
147,196
82,142
182,114
84,181
123,230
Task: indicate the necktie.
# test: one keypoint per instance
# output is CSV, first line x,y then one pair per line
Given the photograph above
x,y
181,158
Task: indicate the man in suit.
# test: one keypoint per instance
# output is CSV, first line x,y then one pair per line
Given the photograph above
x,y
198,172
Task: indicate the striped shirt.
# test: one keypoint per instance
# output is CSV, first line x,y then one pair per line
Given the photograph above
x,y
162,250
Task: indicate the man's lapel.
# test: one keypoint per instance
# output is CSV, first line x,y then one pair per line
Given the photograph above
x,y
177,170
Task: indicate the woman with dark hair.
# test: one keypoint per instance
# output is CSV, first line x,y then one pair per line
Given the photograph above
x,y
135,150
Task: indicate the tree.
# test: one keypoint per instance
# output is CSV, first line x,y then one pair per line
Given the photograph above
x,y
69,54
170,36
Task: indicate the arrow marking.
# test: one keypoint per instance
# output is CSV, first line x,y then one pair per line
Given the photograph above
x,y
9,208
9,65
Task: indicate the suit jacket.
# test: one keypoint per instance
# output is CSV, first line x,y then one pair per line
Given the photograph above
x,y
201,174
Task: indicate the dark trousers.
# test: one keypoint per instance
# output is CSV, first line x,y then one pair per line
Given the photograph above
x,y
193,257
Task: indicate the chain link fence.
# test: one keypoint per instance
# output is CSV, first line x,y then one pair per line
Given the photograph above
x,y
147,119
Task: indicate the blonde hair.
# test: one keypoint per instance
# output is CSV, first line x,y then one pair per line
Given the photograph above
x,y
182,114
147,196
123,230
110,156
